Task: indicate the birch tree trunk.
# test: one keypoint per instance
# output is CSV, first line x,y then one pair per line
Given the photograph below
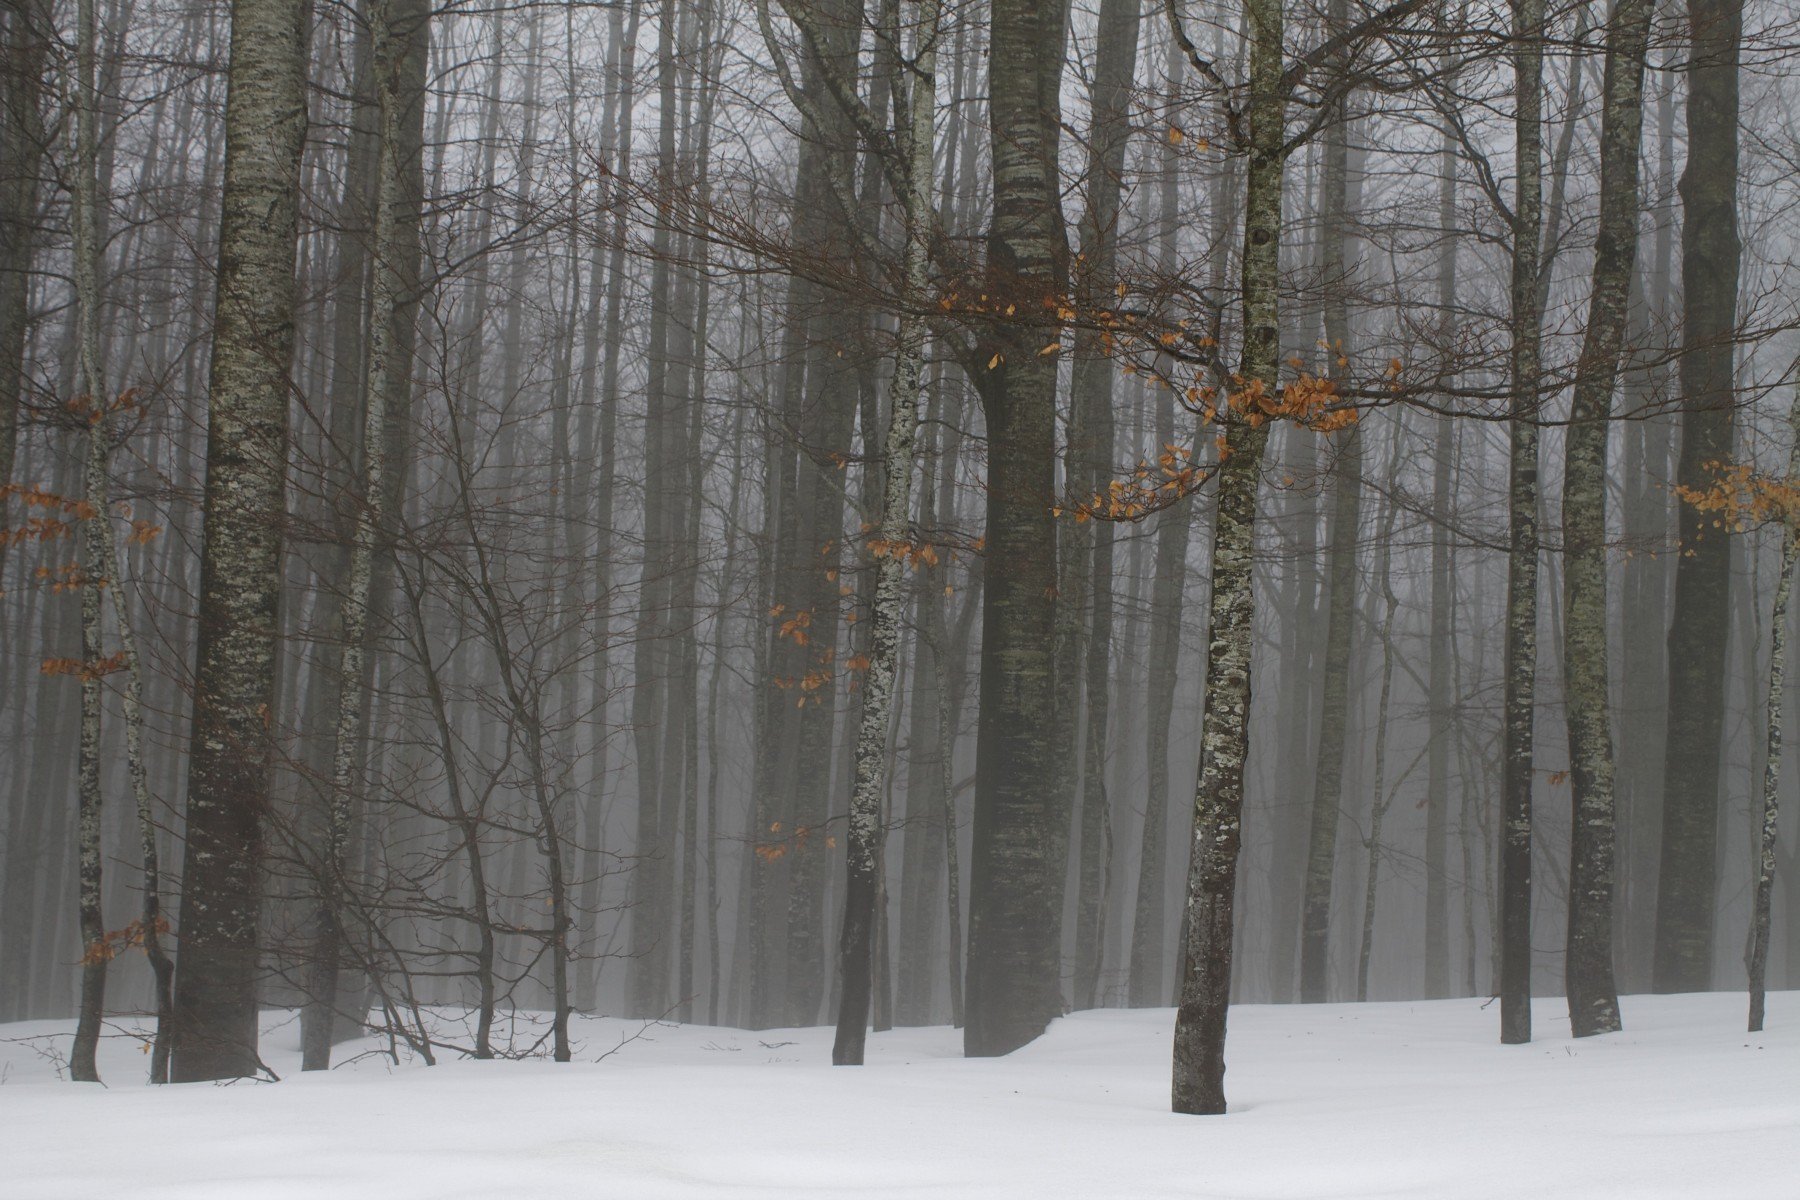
x,y
863,844
240,571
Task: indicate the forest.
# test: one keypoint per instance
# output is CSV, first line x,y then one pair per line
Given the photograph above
x,y
539,525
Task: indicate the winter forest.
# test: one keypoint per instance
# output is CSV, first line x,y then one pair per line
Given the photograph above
x,y
536,529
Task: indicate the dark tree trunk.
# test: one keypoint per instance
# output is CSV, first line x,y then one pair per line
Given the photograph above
x,y
1687,888
1091,457
1013,989
1336,276
1520,665
25,36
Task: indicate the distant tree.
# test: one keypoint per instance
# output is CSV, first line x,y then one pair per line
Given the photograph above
x,y
401,38
1736,498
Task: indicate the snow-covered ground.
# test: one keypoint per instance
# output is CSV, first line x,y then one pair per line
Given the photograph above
x,y
1342,1100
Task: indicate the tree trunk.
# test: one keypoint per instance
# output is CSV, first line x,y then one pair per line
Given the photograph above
x,y
1149,927
401,33
653,871
1442,649
1686,897
1091,453
1199,1059
24,52
1337,273
94,405
863,845
1013,988
1593,997
240,571
1757,959
1379,796
1520,664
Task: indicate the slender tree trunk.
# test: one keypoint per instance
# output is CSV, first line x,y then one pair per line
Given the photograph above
x,y
26,30
922,843
94,405
652,874
400,32
1091,449
1149,928
1520,664
95,950
1337,277
1756,961
863,845
1442,648
1379,796
1592,994
1199,1059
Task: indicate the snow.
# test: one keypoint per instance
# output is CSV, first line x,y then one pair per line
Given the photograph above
x,y
1340,1100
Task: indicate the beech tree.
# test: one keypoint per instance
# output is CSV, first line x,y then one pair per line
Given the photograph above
x,y
1686,892
1593,998
214,1015
1012,987
1259,127
1520,669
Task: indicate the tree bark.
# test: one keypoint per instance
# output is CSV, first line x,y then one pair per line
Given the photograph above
x,y
214,1014
1520,663
1199,1058
1442,649
1013,986
1091,454
93,405
863,845
1592,995
1686,898
1756,961
1380,798
1149,927
26,28
1337,272
401,34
